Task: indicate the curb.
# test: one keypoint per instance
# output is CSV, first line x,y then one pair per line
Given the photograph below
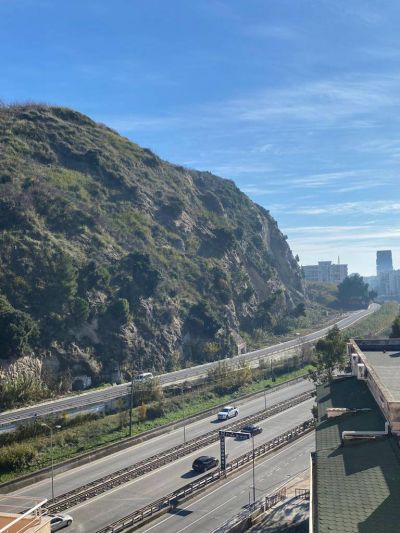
x,y
88,457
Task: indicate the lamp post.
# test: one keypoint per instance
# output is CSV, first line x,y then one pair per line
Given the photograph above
x,y
51,454
254,474
131,405
184,421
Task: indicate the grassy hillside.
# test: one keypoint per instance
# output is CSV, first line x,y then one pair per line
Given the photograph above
x,y
111,257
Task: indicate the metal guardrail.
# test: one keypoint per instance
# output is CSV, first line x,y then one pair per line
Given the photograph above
x,y
103,484
251,510
171,500
302,493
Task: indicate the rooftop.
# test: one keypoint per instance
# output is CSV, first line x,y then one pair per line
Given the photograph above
x,y
357,485
387,367
23,514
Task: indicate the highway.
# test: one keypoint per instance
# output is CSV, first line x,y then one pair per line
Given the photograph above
x,y
118,502
91,471
84,400
211,509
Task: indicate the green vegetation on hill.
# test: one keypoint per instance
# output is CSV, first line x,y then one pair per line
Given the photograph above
x,y
111,258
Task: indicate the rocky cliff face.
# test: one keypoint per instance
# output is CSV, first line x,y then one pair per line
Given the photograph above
x,y
108,251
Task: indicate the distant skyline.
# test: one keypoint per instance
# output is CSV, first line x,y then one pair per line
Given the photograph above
x,y
297,102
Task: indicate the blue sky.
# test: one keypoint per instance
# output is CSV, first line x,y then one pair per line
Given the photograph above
x,y
297,101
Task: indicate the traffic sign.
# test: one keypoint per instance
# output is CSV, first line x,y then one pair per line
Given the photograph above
x,y
222,435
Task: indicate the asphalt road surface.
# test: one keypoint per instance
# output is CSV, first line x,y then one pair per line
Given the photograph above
x,y
98,512
87,399
211,509
76,477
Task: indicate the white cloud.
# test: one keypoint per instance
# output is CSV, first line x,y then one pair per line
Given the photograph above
x,y
372,207
342,103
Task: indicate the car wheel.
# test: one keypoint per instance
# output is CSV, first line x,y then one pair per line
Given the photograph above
x,y
236,413
69,523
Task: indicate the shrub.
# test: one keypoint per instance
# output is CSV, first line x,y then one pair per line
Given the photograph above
x,y
142,412
16,457
155,411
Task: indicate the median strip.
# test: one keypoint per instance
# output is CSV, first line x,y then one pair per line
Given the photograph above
x,y
101,485
164,504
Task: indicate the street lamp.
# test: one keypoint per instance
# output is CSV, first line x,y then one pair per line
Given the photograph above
x,y
51,453
254,476
184,420
131,405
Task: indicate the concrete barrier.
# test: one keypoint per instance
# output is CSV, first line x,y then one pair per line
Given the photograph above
x,y
93,455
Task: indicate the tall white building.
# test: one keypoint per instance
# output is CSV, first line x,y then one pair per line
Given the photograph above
x,y
325,271
389,284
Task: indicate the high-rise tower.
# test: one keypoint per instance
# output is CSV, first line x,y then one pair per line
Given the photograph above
x,y
384,261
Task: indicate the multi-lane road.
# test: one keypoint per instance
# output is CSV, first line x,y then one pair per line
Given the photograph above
x,y
213,508
120,501
108,507
76,477
85,400
220,502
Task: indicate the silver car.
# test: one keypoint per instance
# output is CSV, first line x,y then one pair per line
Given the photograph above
x,y
59,521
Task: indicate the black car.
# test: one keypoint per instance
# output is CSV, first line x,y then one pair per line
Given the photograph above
x,y
253,430
203,463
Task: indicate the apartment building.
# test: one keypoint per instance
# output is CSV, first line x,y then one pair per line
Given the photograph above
x,y
326,272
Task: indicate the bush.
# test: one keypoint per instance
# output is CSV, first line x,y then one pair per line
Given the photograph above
x,y
16,457
155,411
142,412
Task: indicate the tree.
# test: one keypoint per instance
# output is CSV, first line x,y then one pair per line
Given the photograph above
x,y
395,334
202,320
353,292
119,310
299,310
80,310
138,278
17,329
330,356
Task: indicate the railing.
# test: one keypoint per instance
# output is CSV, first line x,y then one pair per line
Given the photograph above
x,y
101,485
171,500
302,493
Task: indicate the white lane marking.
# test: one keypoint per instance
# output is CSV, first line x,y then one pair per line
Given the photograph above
x,y
168,465
272,456
209,512
135,447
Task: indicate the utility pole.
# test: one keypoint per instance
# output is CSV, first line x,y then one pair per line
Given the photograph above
x,y
51,454
254,475
131,406
184,421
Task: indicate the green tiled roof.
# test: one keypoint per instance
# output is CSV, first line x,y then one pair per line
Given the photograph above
x,y
358,484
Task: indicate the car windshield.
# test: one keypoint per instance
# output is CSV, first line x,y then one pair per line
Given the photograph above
x,y
226,409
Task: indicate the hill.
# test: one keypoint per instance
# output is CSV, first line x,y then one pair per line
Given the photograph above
x,y
112,257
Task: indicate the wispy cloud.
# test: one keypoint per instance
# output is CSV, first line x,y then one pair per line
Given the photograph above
x,y
365,207
257,191
344,103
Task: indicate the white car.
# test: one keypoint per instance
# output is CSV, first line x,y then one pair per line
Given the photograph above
x,y
228,412
143,376
59,521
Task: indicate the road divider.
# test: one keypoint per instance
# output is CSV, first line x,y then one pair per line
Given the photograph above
x,y
119,477
170,501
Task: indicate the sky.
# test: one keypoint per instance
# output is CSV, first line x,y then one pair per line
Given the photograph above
x,y
297,101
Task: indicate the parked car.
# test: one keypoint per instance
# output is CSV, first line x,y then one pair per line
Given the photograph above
x,y
252,429
228,412
59,521
204,462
